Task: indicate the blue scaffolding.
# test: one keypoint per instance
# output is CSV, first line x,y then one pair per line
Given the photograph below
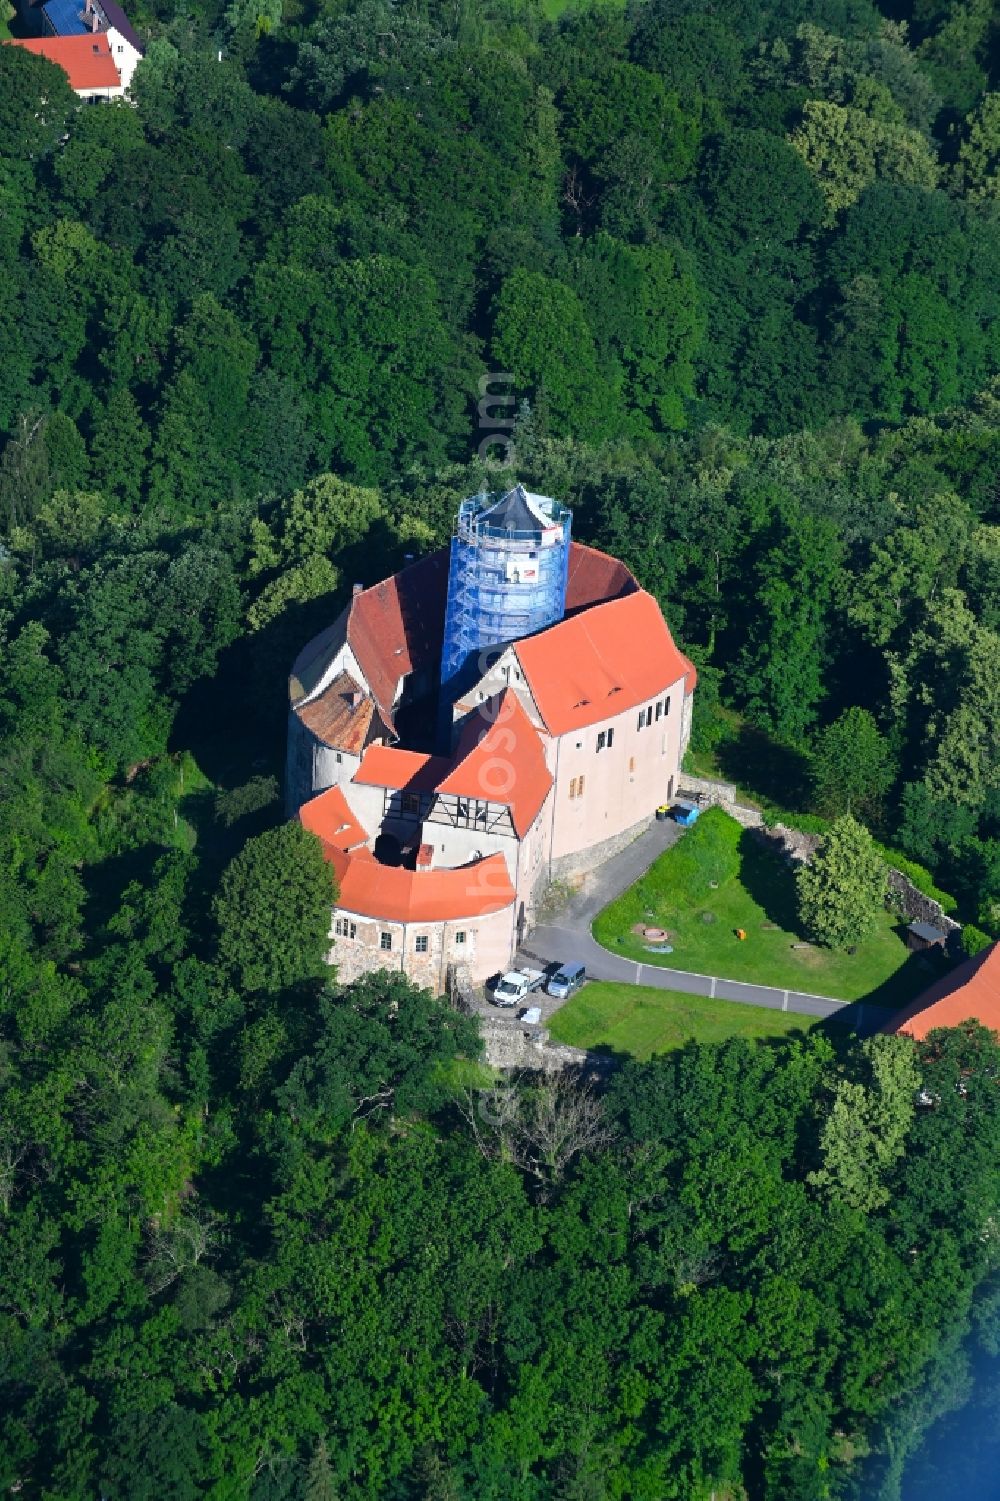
x,y
507,579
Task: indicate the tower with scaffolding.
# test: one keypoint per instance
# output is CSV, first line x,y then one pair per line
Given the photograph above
x,y
507,579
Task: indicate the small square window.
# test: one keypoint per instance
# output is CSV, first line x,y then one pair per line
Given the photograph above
x,y
421,943
460,936
385,941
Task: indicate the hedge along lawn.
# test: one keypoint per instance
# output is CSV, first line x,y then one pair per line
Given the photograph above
x,y
638,1020
756,892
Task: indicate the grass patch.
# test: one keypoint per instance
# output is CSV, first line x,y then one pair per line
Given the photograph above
x,y
460,1074
553,9
756,892
638,1020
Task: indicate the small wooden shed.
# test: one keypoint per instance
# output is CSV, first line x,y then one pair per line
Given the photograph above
x,y
924,935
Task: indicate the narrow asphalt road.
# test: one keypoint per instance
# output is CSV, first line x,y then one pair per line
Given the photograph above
x,y
567,937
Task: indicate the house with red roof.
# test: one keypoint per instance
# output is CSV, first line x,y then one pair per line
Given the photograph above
x,y
86,59
558,738
971,992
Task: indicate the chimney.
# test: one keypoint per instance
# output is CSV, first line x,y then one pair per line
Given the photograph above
x,y
358,589
425,857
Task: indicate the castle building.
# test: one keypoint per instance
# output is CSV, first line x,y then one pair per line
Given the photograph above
x,y
562,710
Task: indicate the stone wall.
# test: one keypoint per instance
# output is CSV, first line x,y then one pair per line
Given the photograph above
x,y
916,907
709,793
510,1044
582,861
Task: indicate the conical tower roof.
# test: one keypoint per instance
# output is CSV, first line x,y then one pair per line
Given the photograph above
x,y
516,511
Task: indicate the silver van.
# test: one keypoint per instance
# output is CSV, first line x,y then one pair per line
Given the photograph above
x,y
566,981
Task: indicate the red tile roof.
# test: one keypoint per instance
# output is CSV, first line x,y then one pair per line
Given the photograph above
x,y
397,627
970,992
595,577
336,719
86,60
391,893
329,816
599,663
388,766
500,759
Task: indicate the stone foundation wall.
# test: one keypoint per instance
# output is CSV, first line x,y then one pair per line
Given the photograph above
x,y
582,861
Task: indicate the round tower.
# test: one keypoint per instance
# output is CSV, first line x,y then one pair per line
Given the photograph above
x,y
507,579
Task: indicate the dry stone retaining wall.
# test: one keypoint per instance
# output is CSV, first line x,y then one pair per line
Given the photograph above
x,y
509,1044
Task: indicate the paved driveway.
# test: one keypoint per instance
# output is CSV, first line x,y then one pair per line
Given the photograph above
x,y
568,937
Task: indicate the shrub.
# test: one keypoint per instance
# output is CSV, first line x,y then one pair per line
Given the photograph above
x,y
974,940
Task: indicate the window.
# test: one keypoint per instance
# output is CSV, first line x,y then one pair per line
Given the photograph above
x,y
339,758
645,717
572,787
666,705
421,943
343,928
659,710
460,936
602,740
411,802
611,738
385,940
631,763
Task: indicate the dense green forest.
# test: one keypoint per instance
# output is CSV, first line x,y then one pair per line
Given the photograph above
x,y
739,269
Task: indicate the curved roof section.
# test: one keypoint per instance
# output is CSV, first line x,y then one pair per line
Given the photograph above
x,y
594,578
970,993
341,715
598,664
389,892
500,760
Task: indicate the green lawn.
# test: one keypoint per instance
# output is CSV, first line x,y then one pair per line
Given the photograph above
x,y
755,892
638,1020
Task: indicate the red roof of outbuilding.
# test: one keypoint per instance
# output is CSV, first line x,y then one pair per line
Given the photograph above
x,y
599,663
86,60
501,761
970,992
392,893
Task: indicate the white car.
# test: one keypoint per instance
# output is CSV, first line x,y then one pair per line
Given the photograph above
x,y
515,985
